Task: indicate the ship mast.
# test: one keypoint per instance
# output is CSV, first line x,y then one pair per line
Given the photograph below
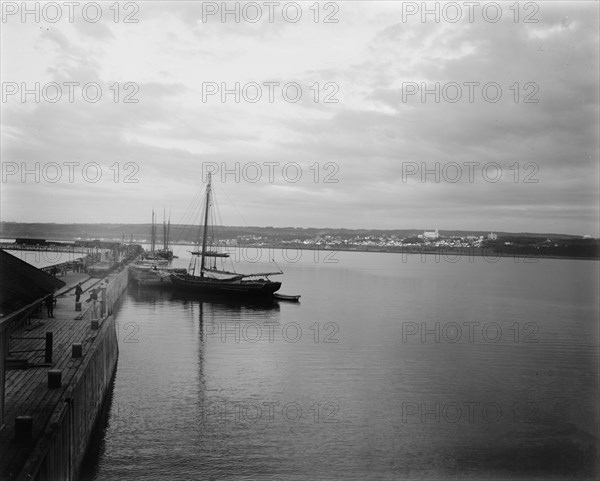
x,y
164,230
152,234
208,189
168,230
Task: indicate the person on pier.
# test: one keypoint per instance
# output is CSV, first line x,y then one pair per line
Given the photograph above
x,y
78,292
50,305
94,299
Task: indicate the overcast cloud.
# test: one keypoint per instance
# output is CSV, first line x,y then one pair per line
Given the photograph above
x,y
348,153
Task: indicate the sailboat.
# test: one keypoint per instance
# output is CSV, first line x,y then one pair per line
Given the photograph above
x,y
152,269
207,279
166,252
152,255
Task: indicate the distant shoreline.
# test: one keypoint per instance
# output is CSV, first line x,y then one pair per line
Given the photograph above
x,y
439,252
447,253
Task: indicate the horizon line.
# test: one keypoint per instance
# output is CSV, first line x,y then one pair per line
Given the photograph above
x,y
296,227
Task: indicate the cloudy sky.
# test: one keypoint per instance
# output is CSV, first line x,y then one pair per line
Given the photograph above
x,y
330,114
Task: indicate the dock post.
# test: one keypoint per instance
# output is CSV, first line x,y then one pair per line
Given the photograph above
x,y
48,350
54,378
23,428
76,350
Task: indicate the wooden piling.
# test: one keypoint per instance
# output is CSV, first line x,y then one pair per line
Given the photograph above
x,y
54,378
48,349
76,350
23,428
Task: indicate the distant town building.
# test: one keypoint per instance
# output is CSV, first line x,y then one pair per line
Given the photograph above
x,y
431,235
587,236
492,236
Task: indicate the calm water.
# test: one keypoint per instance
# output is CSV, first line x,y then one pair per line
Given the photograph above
x,y
391,367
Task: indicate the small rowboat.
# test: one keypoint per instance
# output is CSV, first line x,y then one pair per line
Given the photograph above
x,y
285,297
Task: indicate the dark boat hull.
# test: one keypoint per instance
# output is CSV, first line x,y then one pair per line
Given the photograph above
x,y
258,288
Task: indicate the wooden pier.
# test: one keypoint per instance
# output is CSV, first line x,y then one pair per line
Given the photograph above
x,y
98,258
52,400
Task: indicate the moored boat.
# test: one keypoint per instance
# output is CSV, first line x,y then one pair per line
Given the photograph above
x,y
240,286
286,297
211,280
153,275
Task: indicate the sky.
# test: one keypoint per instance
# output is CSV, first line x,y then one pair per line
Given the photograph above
x,y
380,115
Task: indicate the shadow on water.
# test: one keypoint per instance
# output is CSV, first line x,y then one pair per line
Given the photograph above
x,y
562,457
97,442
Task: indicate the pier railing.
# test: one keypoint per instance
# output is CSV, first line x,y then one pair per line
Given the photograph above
x,y
30,347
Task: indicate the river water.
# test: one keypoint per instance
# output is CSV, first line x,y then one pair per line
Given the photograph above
x,y
391,367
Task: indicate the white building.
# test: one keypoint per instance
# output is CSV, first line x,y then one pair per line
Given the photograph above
x,y
431,235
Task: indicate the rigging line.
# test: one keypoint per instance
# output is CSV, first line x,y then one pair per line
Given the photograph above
x,y
217,215
211,220
213,261
189,220
273,260
183,220
236,209
219,221
230,259
198,211
200,228
214,218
